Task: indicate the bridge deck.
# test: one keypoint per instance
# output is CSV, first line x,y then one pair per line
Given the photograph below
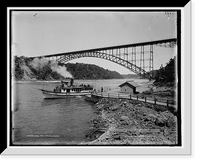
x,y
114,47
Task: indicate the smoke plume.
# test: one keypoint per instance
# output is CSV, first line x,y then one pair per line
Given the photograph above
x,y
38,64
60,69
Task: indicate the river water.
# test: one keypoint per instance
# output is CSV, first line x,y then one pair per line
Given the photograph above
x,y
38,121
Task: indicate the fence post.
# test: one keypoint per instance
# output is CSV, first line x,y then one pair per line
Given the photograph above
x,y
108,95
145,99
137,97
167,103
155,101
130,97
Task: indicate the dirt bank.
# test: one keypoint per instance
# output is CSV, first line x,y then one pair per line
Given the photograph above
x,y
129,122
160,92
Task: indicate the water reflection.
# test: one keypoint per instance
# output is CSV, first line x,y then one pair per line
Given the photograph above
x,y
50,102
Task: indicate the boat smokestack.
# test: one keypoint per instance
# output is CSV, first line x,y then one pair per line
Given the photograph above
x,y
71,82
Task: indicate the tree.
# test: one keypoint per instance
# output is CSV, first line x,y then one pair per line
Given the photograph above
x,y
78,70
18,72
167,73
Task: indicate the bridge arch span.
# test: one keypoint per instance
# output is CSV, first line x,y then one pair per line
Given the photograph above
x,y
102,55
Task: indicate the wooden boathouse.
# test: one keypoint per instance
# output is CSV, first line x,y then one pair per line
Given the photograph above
x,y
129,87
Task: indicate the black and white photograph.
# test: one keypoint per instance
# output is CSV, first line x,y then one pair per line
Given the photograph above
x,y
95,78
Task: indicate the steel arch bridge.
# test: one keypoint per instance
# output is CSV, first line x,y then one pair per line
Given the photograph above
x,y
137,57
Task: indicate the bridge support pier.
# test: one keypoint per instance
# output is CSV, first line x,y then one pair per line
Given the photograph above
x,y
151,61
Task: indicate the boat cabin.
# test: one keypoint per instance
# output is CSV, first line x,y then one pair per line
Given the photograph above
x,y
68,86
67,82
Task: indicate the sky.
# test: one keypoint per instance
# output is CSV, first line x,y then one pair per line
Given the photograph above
x,y
37,33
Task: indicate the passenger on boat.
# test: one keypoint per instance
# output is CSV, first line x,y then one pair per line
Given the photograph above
x,y
57,89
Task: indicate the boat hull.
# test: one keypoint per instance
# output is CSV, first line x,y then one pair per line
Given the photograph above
x,y
54,95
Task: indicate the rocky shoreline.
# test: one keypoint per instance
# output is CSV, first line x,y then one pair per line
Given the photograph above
x,y
129,122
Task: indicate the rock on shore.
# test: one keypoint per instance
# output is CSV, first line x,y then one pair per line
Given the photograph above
x,y
129,122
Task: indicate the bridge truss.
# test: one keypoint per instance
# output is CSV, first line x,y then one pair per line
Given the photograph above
x,y
137,57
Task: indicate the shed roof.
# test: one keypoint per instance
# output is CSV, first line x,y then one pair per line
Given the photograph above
x,y
131,84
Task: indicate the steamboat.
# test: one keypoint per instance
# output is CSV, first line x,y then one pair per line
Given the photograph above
x,y
67,89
